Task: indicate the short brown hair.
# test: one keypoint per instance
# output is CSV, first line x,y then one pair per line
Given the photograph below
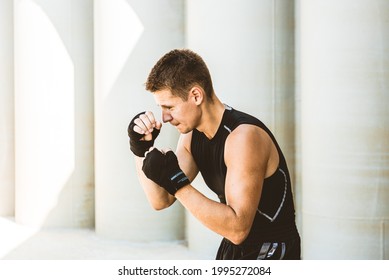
x,y
178,71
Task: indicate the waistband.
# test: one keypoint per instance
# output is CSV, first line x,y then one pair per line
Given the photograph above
x,y
272,234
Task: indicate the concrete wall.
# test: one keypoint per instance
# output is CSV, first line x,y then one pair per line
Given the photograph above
x,y
54,172
345,128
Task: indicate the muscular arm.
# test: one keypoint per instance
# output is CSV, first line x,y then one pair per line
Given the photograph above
x,y
247,155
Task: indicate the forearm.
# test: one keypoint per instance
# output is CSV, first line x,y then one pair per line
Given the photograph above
x,y
162,168
216,216
158,197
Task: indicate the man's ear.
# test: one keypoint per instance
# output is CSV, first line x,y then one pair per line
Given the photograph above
x,y
197,94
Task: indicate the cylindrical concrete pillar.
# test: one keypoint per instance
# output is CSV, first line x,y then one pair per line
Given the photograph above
x,y
249,48
7,160
345,128
130,36
54,113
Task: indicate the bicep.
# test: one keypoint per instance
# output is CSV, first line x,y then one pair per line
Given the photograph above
x,y
185,158
246,157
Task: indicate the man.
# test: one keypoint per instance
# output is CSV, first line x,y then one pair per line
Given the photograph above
x,y
236,154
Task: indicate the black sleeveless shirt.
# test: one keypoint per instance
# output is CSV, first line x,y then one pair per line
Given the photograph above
x,y
275,217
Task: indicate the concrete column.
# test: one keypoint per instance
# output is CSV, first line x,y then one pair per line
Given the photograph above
x,y
7,160
130,36
54,113
249,48
345,128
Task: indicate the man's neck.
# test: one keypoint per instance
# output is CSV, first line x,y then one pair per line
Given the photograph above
x,y
211,118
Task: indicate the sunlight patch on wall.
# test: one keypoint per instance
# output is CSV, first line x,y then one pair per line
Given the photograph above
x,y
118,31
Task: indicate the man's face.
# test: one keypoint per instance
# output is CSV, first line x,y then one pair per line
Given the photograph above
x,y
179,113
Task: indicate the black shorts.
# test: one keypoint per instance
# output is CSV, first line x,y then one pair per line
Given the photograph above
x,y
285,250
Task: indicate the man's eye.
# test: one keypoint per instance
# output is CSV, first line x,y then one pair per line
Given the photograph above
x,y
167,108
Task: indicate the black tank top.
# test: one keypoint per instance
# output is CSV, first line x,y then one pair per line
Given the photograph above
x,y
275,217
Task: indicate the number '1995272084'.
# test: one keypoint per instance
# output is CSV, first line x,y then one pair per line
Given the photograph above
x,y
240,270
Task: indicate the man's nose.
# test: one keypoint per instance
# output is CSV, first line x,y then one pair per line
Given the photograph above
x,y
166,116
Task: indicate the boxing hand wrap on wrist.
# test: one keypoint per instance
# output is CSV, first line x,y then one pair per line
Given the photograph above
x,y
137,146
164,170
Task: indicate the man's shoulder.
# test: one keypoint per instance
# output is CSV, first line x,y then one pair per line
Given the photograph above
x,y
237,118
185,140
248,132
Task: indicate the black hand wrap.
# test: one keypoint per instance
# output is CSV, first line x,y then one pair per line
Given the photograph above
x,y
137,146
164,170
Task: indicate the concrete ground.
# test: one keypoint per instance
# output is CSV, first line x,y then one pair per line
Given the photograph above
x,y
25,243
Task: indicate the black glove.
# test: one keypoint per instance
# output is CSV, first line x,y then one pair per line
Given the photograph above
x,y
137,146
164,170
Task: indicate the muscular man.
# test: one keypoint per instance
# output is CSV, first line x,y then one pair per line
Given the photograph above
x,y
236,154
